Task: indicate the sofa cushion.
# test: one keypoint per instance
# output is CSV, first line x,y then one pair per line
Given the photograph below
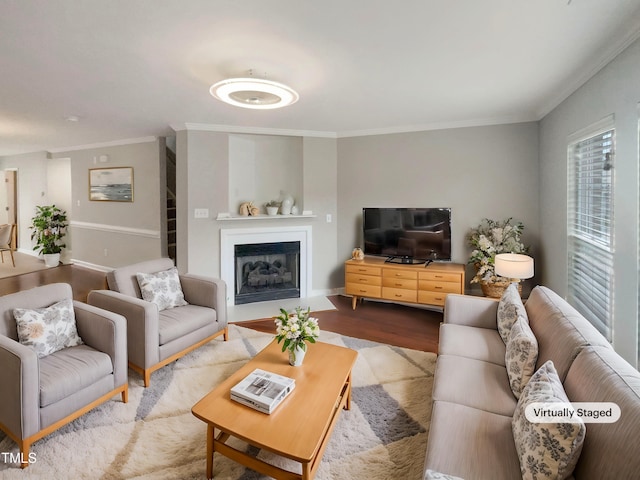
x,y
68,371
177,322
49,329
599,374
433,475
473,383
162,288
546,450
509,308
471,443
560,330
521,355
477,343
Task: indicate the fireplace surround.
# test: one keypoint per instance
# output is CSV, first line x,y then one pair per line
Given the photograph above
x,y
241,239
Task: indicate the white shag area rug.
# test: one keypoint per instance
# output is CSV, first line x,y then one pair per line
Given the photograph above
x,y
155,436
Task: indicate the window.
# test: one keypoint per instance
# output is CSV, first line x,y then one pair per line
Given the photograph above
x,y
590,224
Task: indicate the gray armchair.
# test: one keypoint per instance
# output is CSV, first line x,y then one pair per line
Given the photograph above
x,y
39,395
158,337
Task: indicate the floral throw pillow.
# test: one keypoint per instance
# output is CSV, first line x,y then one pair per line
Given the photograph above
x,y
522,353
546,450
49,329
162,288
509,308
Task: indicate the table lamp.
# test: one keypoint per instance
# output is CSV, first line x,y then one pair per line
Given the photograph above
x,y
514,266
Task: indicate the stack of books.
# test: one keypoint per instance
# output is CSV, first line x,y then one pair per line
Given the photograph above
x,y
262,390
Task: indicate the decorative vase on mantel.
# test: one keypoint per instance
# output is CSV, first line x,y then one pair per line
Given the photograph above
x,y
286,204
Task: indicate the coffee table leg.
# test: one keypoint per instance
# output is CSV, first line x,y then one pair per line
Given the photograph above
x,y
347,404
209,451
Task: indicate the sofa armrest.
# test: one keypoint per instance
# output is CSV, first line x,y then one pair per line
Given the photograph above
x,y
106,332
206,292
471,311
20,380
143,334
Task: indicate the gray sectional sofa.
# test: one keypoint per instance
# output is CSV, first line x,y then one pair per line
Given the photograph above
x,y
472,434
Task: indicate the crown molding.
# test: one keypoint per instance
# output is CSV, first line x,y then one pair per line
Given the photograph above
x,y
590,71
478,122
114,143
205,127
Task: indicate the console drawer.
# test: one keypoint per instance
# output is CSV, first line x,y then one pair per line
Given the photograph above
x,y
399,294
441,277
365,269
399,283
432,298
360,290
363,279
433,286
392,273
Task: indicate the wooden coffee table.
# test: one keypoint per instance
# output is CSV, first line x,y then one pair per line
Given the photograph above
x,y
300,427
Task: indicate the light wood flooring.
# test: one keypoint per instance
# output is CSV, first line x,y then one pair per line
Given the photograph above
x,y
399,325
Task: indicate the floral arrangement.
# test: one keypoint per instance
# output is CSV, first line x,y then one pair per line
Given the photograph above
x,y
296,328
489,239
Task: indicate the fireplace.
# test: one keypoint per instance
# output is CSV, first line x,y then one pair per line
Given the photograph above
x,y
260,264
267,271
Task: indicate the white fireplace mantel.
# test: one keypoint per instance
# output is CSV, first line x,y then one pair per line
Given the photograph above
x,y
230,237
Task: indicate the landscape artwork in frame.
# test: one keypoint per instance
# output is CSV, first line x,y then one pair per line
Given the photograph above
x,y
111,184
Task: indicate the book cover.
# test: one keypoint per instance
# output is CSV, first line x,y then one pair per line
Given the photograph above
x,y
262,390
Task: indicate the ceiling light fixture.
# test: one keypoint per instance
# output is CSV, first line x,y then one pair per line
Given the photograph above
x,y
254,93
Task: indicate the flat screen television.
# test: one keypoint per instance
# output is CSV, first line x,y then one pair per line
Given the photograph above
x,y
407,235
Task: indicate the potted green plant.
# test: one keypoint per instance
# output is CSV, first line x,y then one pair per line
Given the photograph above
x,y
49,228
488,239
272,207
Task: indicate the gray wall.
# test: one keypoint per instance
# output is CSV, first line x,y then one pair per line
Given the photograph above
x,y
614,90
203,182
477,172
129,231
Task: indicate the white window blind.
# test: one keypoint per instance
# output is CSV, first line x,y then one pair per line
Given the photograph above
x,y
590,226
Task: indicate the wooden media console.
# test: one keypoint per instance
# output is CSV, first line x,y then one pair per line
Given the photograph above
x,y
373,277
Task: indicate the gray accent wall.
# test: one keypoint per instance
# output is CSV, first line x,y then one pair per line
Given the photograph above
x,y
113,234
208,178
478,172
614,90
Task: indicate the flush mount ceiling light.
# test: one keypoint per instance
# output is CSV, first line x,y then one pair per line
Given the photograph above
x,y
254,93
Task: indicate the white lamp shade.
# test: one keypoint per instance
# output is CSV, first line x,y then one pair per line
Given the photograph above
x,y
514,265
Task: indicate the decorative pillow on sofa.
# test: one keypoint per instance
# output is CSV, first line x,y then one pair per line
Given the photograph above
x,y
509,308
546,450
162,288
49,329
522,353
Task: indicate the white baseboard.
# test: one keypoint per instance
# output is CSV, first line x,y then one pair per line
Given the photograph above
x,y
92,266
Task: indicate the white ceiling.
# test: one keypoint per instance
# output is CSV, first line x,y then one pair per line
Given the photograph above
x,y
134,68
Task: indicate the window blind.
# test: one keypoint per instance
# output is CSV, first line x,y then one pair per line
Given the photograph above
x,y
590,228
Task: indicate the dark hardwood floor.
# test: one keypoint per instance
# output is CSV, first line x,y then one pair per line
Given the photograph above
x,y
399,325
389,323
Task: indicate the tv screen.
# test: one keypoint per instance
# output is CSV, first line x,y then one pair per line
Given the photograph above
x,y
408,234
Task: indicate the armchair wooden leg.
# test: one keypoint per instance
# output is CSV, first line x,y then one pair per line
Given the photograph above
x,y
24,453
125,394
146,375
225,335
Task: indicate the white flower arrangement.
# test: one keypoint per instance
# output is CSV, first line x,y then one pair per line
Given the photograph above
x,y
489,239
294,329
